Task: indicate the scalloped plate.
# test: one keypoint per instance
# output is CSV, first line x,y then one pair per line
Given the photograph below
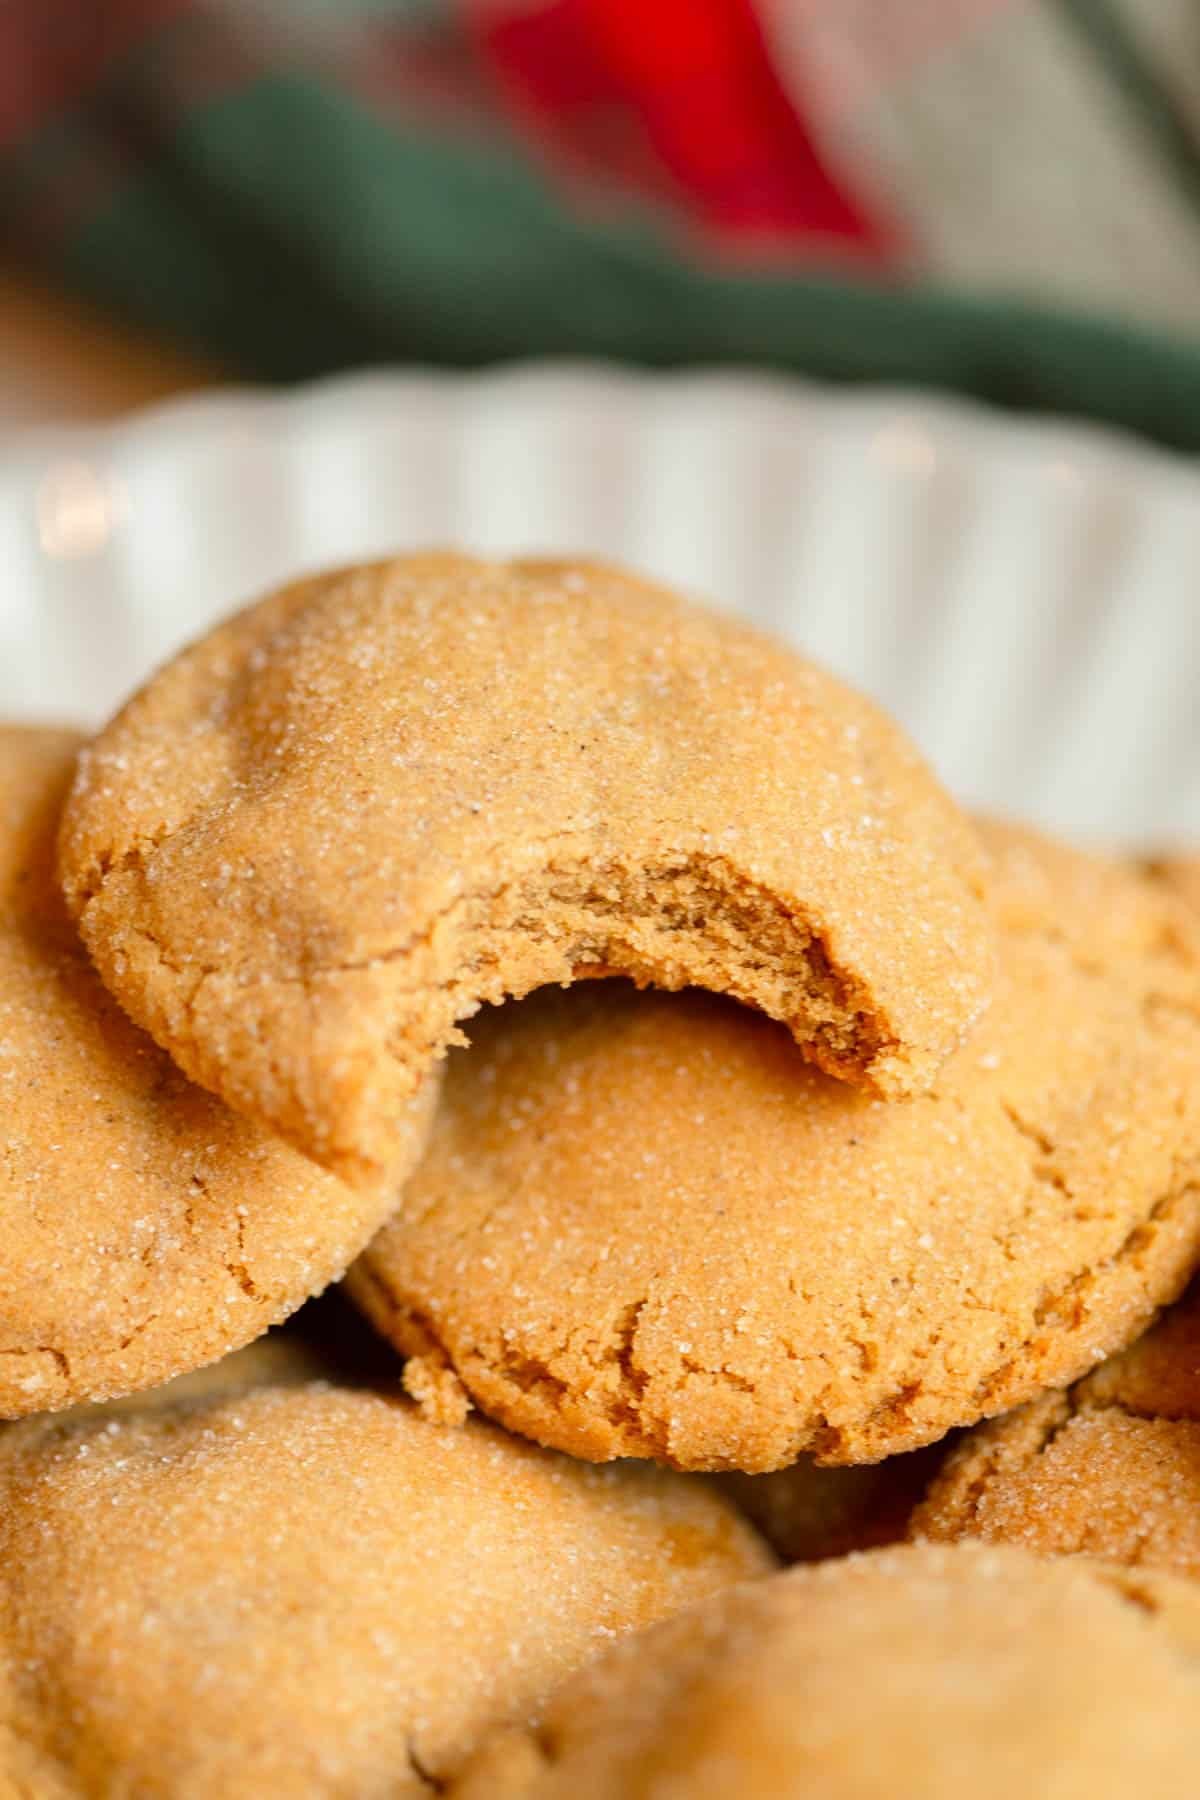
x,y
1020,594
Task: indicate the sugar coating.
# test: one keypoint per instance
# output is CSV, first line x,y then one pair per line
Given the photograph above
x,y
327,833
1109,1468
269,1585
143,1228
908,1674
646,1227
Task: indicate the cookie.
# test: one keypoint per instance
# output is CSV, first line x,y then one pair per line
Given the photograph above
x,y
809,1514
646,1227
1109,1468
910,1674
146,1229
290,1587
324,835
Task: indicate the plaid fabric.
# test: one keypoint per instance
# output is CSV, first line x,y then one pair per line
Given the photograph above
x,y
1001,196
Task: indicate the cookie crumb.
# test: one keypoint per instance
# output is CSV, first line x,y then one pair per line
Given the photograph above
x,y
440,1395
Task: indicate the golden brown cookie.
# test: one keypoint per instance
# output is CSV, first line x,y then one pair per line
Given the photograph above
x,y
144,1229
1109,1468
299,1588
338,824
646,1227
925,1673
808,1514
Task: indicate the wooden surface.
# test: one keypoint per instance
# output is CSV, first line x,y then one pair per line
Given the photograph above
x,y
61,361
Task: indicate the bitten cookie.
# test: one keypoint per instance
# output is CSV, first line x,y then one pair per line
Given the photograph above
x,y
299,1588
912,1674
1109,1468
645,1227
144,1229
334,827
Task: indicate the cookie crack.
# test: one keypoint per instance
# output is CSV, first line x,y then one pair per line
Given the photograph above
x,y
423,1773
143,1325
1141,1599
1054,1309
1043,1166
234,1266
90,880
59,1357
527,1371
546,1744
1138,1594
730,1377
1068,1408
1138,1239
624,1346
238,1267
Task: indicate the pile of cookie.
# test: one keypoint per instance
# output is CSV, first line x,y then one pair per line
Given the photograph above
x,y
735,1155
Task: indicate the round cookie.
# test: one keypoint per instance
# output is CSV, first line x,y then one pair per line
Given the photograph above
x,y
809,1514
376,799
911,1674
1109,1468
144,1229
299,1588
645,1227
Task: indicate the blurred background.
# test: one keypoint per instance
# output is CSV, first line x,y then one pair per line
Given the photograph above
x,y
996,197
